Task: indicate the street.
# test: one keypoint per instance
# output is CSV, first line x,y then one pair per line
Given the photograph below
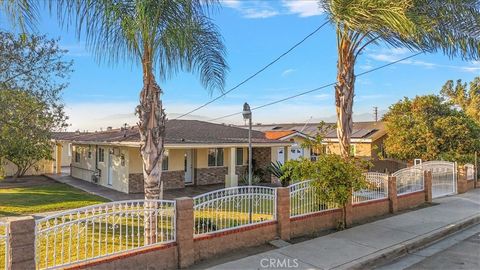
x,y
458,251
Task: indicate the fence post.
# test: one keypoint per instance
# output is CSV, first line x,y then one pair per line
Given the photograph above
x,y
283,213
184,231
392,194
461,180
21,243
427,177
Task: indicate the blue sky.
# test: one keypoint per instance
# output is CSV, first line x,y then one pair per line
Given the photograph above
x,y
255,32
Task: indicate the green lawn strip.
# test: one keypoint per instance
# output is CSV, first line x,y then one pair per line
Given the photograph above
x,y
46,198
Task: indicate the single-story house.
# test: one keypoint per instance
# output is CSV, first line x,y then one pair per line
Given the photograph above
x,y
297,138
366,140
196,153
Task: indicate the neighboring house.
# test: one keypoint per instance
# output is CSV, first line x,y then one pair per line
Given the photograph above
x,y
197,153
296,150
366,140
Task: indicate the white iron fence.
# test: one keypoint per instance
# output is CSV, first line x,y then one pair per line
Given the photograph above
x,y
96,231
4,245
470,171
304,200
377,188
409,180
234,207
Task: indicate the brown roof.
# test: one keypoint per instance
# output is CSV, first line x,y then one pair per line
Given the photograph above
x,y
176,131
361,130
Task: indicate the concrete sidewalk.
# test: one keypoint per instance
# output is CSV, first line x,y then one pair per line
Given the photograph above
x,y
355,247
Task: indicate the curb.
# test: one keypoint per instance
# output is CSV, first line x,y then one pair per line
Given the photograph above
x,y
390,253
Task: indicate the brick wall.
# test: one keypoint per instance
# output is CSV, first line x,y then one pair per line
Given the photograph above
x,y
314,223
410,200
224,242
171,180
262,157
366,210
211,175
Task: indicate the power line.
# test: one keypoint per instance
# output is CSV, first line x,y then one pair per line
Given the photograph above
x,y
319,88
254,74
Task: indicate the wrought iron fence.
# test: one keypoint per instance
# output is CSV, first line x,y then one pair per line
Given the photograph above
x,y
443,177
409,180
377,188
4,241
234,207
96,231
470,171
304,200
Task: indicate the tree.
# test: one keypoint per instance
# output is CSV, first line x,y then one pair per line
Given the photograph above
x,y
27,137
467,98
450,26
33,64
334,178
426,127
161,36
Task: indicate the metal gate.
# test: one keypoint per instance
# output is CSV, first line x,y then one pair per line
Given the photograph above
x,y
444,181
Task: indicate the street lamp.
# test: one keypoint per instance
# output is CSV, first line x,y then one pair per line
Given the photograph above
x,y
247,115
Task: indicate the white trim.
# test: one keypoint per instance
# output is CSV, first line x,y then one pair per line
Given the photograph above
x,y
186,146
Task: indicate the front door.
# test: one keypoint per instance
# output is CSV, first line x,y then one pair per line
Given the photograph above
x,y
188,166
110,168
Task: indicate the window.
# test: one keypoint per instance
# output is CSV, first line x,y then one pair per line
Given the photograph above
x,y
215,157
122,160
101,155
165,161
77,156
89,153
239,156
353,150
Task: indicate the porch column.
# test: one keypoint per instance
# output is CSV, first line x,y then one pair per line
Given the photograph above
x,y
231,179
286,153
58,159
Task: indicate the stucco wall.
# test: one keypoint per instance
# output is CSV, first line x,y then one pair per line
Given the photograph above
x,y
86,166
362,149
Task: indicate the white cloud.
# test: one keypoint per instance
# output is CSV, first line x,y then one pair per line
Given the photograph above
x,y
252,9
75,50
287,72
304,8
395,54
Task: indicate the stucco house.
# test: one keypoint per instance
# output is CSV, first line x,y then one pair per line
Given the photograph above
x,y
197,153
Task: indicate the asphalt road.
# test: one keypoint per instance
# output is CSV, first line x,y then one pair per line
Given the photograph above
x,y
458,251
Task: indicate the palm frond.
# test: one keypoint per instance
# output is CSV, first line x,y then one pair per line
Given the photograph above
x,y
20,13
164,35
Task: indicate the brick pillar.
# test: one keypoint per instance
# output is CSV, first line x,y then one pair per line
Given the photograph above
x,y
184,231
392,194
461,180
21,243
427,176
283,212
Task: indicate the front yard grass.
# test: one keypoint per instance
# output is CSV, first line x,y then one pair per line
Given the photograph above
x,y
50,196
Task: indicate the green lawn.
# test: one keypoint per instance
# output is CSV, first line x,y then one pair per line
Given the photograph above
x,y
44,198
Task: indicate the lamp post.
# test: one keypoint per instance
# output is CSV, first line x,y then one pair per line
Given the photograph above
x,y
247,115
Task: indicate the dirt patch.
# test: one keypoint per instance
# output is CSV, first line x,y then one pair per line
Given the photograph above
x,y
26,181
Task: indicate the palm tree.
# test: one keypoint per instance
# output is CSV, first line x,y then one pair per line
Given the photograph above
x,y
20,13
450,26
163,36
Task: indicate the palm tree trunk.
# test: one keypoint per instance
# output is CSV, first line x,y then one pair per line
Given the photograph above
x,y
152,136
344,92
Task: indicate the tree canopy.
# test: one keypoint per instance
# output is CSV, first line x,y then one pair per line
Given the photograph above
x,y
466,97
429,128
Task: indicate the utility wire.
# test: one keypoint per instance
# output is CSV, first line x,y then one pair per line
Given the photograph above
x,y
318,88
254,74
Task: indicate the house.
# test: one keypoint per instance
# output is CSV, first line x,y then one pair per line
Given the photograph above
x,y
366,140
196,153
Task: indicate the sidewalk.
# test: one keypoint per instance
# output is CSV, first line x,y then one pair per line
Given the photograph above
x,y
352,247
